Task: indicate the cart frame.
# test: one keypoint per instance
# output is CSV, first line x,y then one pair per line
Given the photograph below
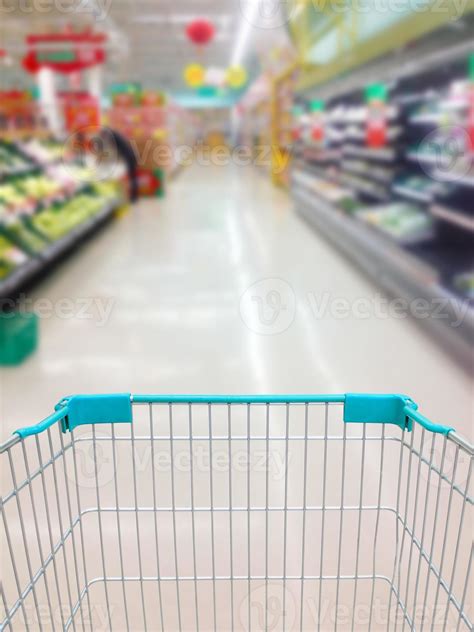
x,y
426,577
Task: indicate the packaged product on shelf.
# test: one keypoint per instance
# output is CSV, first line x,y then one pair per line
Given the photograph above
x,y
406,223
11,161
25,238
464,283
58,221
10,257
14,202
43,151
420,188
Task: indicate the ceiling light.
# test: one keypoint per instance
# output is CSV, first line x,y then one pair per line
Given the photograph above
x,y
177,18
249,9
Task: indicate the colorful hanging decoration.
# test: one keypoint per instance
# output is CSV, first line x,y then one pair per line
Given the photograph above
x,y
236,77
215,77
80,52
194,75
200,32
208,91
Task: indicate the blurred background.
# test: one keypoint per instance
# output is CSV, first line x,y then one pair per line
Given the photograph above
x,y
236,196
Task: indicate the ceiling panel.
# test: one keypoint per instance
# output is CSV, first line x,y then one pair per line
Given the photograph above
x,y
147,39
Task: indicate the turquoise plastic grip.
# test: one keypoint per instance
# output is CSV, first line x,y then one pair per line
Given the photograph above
x,y
43,425
423,421
388,409
385,409
96,409
79,410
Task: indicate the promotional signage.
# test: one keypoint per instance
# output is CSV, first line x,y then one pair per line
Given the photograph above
x,y
317,121
81,110
78,51
376,130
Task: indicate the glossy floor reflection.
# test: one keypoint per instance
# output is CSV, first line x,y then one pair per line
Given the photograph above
x,y
221,287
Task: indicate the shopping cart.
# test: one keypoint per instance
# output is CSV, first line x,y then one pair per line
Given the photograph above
x,y
347,512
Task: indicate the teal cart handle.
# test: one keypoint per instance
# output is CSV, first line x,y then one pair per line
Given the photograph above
x,y
79,410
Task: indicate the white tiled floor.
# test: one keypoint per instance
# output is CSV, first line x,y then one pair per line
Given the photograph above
x,y
179,276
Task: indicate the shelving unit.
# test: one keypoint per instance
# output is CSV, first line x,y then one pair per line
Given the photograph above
x,y
401,211
284,127
47,207
394,268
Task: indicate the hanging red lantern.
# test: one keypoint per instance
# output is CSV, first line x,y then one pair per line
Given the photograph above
x,y
200,31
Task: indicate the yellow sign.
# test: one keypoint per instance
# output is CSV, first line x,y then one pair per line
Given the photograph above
x,y
194,75
236,76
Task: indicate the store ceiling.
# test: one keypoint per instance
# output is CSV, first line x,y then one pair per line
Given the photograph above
x,y
147,40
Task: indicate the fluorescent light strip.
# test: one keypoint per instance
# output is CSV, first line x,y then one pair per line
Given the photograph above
x,y
179,18
249,18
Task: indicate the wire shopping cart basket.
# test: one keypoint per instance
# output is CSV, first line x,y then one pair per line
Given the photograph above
x,y
347,512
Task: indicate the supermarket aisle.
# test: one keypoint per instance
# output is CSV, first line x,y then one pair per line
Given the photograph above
x,y
221,287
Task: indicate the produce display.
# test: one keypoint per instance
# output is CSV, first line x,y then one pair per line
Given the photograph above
x,y
44,151
44,196
24,195
12,162
57,221
25,238
11,257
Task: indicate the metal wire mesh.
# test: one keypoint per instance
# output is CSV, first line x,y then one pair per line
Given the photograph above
x,y
237,517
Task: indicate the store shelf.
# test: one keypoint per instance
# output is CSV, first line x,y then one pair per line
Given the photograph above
x,y
38,264
19,277
412,194
394,268
371,174
466,180
22,171
456,218
383,154
363,186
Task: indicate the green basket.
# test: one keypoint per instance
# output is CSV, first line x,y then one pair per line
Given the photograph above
x,y
18,337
